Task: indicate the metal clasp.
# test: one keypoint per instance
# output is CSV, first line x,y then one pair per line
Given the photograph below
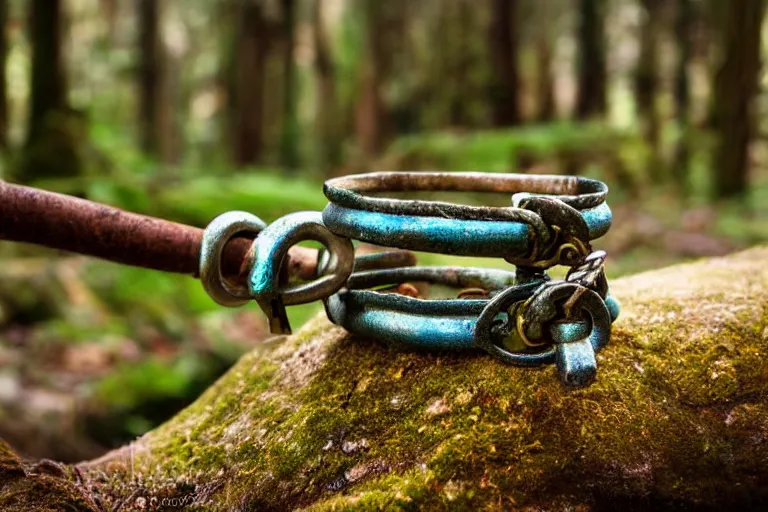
x,y
269,250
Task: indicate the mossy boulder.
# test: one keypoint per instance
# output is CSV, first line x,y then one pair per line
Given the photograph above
x,y
678,418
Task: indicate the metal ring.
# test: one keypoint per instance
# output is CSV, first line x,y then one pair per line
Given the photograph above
x,y
574,349
435,234
269,250
538,310
216,235
484,334
435,226
542,309
456,277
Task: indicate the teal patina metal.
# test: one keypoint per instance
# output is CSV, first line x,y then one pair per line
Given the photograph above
x,y
463,237
565,321
533,312
269,251
437,324
520,232
520,317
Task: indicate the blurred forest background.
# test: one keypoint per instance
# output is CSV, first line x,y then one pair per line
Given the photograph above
x,y
185,109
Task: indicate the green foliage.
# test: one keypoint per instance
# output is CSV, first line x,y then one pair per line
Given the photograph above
x,y
134,384
264,193
106,332
349,50
500,150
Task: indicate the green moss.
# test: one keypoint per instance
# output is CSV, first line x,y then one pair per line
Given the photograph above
x,y
39,488
329,421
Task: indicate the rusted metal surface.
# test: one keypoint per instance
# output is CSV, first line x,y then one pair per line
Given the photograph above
x,y
71,224
350,191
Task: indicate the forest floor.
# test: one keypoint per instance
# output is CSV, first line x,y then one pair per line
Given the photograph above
x,y
93,354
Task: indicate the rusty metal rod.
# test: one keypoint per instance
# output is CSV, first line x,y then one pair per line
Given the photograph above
x,y
71,224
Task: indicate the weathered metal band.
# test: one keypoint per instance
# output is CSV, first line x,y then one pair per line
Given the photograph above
x,y
527,321
433,234
421,323
576,191
455,277
443,324
434,226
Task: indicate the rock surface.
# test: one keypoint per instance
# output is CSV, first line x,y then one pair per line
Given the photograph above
x,y
678,418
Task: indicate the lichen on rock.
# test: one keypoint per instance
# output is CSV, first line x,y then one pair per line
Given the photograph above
x,y
678,417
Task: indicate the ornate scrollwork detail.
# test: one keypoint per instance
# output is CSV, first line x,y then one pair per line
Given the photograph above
x,y
568,243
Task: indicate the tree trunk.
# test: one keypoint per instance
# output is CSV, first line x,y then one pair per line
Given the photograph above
x,y
371,117
155,116
545,83
592,89
332,421
711,49
504,87
56,134
460,30
683,29
736,85
247,70
110,9
647,83
369,114
289,136
328,120
3,74
48,86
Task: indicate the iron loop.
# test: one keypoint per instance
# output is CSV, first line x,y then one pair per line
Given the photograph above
x,y
508,304
216,235
579,300
269,250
